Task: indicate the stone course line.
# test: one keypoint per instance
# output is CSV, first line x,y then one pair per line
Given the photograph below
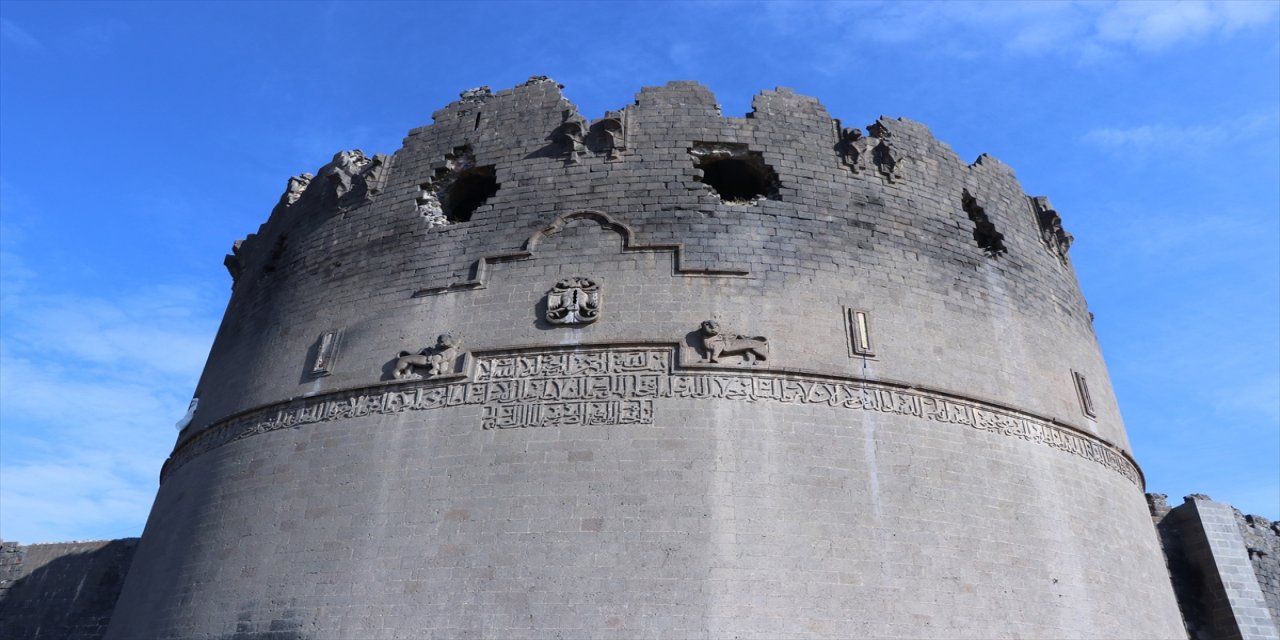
x,y
604,386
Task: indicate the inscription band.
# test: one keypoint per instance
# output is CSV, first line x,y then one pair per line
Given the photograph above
x,y
618,386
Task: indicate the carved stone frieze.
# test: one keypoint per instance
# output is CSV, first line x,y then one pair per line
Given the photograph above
x,y
1052,234
190,415
573,301
297,184
864,153
621,386
716,343
610,134
433,361
350,175
571,135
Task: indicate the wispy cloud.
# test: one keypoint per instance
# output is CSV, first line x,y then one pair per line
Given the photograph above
x,y
90,386
1159,137
1155,26
17,36
1088,31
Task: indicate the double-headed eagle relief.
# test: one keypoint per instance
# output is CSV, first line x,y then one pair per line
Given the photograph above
x,y
574,301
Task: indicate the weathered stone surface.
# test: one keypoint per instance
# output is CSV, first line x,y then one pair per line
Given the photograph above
x,y
1223,567
63,591
600,480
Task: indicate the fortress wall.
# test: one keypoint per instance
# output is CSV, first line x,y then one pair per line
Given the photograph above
x,y
734,519
607,479
61,591
908,242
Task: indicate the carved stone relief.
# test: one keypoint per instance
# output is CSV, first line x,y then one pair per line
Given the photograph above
x,y
574,301
620,386
716,343
297,184
185,421
861,153
571,135
852,148
434,361
234,262
1051,232
342,174
610,134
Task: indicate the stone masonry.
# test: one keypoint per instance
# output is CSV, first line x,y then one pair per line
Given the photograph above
x,y
1224,568
662,373
61,591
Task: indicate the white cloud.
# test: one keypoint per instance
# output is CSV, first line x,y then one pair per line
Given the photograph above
x,y
1089,31
90,386
1155,26
1164,137
11,32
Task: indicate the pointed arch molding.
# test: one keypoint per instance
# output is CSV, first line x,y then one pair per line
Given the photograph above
x,y
480,269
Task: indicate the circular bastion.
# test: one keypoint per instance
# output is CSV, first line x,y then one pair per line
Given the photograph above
x,y
660,374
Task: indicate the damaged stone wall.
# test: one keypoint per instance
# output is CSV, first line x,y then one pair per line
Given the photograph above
x,y
61,591
1224,567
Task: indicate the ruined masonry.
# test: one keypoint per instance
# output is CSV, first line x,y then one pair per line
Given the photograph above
x,y
661,373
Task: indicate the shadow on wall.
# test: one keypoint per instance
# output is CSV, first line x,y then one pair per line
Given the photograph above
x,y
61,591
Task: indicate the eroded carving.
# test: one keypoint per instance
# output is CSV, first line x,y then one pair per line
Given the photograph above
x,y
185,421
571,135
234,262
984,231
860,152
573,301
478,95
343,171
1051,232
716,343
297,184
611,135
852,148
435,360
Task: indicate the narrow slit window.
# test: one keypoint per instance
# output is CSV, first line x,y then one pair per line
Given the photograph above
x,y
326,352
1082,390
859,330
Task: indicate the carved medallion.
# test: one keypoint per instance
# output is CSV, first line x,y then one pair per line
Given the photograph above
x,y
573,301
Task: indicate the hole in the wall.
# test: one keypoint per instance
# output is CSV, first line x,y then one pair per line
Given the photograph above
x,y
737,174
985,234
469,191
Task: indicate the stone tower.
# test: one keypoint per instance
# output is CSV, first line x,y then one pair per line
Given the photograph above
x,y
660,374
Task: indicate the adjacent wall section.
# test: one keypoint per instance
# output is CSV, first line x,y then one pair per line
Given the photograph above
x,y
62,591
1225,568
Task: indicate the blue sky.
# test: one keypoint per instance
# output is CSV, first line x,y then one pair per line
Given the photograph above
x,y
138,141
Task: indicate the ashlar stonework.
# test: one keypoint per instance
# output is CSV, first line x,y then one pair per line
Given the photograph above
x,y
603,461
